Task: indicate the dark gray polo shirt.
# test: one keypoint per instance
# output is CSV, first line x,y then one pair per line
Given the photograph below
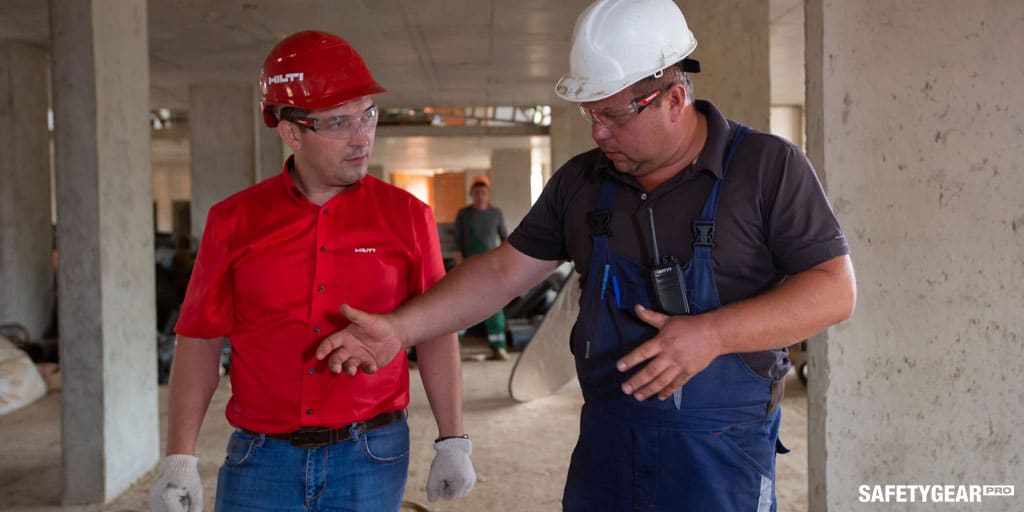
x,y
484,226
773,218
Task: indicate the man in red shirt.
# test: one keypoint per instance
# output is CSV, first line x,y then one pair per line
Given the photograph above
x,y
275,262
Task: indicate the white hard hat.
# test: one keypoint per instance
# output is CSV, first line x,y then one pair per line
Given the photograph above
x,y
619,42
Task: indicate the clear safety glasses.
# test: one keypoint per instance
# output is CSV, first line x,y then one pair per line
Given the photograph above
x,y
341,127
613,117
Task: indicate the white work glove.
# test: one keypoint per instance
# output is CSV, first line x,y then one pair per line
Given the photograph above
x,y
451,473
178,488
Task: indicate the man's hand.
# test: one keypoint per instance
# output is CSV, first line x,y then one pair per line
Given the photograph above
x,y
683,347
451,473
369,343
177,488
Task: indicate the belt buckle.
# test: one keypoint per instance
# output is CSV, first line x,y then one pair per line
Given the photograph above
x,y
310,437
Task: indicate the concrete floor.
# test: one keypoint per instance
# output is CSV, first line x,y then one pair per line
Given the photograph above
x,y
521,450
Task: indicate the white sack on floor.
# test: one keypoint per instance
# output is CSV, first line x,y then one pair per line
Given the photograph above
x,y
20,382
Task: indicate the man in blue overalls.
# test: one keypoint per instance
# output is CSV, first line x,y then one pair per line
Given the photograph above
x,y
677,202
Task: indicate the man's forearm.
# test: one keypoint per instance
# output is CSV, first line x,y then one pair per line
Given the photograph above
x,y
195,375
805,304
439,364
472,292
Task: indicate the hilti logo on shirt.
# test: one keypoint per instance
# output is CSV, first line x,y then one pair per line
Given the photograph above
x,y
366,249
281,79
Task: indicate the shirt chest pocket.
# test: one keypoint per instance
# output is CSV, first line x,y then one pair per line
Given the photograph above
x,y
370,279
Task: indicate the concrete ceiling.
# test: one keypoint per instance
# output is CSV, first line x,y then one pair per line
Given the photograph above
x,y
426,52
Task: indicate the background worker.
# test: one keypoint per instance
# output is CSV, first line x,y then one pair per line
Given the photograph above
x,y
480,227
275,261
681,399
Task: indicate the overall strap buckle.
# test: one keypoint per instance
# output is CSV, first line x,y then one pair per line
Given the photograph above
x,y
703,233
600,223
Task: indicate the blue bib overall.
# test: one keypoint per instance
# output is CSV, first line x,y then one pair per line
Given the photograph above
x,y
711,447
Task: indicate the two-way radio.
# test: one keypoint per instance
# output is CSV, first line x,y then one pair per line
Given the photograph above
x,y
667,279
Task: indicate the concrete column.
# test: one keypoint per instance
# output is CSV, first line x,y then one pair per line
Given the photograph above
x,y
105,236
570,135
223,150
914,119
26,292
732,47
510,183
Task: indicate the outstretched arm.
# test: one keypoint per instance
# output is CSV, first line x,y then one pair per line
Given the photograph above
x,y
470,293
803,305
440,370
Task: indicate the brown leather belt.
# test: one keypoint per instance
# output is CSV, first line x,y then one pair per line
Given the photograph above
x,y
315,437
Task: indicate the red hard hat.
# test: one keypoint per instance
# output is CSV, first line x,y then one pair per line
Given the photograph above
x,y
312,71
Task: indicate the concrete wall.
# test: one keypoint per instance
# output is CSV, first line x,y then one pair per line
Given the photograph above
x,y
26,275
915,119
732,47
105,237
510,184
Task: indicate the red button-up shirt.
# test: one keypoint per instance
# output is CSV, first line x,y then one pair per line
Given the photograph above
x,y
273,269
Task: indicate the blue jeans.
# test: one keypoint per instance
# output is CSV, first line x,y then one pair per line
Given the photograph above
x,y
365,473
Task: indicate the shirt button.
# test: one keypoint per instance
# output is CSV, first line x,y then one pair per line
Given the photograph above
x,y
323,248
312,371
643,196
320,289
309,411
316,329
327,212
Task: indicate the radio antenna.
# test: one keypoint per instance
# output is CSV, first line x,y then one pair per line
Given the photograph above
x,y
654,237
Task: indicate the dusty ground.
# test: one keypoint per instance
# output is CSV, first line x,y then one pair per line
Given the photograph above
x,y
521,451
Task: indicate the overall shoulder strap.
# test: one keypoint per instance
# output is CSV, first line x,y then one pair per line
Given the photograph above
x,y
704,226
600,218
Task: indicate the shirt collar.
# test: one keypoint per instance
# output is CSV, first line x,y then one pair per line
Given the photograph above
x,y
719,132
288,182
605,166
